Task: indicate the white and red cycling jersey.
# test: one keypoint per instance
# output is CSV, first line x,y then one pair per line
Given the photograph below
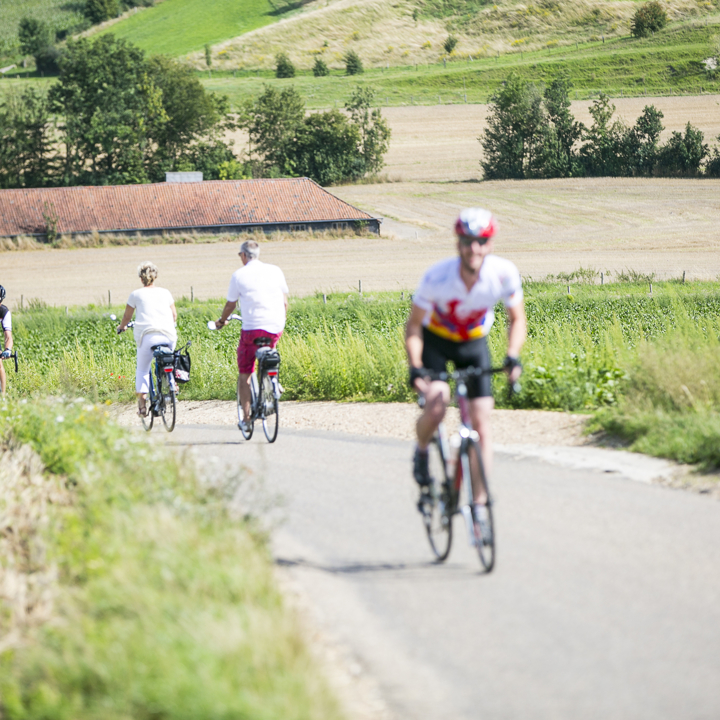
x,y
458,314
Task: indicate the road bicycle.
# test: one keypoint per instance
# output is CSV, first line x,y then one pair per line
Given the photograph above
x,y
265,389
162,395
456,467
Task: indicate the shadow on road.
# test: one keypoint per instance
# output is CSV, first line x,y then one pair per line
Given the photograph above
x,y
400,569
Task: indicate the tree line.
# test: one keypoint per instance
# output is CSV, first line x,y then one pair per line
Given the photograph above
x,y
531,133
117,117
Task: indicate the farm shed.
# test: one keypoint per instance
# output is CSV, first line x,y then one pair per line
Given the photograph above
x,y
215,206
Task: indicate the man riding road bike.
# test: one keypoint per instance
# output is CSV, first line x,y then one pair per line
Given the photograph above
x,y
451,315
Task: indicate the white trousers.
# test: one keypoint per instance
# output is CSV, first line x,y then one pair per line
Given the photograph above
x,y
145,358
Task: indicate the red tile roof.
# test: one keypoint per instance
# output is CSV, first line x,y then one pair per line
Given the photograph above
x,y
171,206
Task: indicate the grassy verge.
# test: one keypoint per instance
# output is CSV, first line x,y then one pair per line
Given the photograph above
x,y
134,592
588,351
96,240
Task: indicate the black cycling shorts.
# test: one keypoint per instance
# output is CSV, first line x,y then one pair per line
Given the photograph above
x,y
437,351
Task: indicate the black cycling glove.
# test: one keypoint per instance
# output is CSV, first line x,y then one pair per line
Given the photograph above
x,y
416,373
511,363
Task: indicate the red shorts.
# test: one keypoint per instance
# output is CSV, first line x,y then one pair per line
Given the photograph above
x,y
246,348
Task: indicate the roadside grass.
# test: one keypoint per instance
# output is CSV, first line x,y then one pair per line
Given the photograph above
x,y
138,590
615,349
177,27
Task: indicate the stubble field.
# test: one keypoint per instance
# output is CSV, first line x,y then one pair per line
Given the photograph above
x,y
663,226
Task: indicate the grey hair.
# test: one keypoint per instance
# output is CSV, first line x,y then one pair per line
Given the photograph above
x,y
147,272
251,249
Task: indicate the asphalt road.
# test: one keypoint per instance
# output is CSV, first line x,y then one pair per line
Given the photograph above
x,y
605,600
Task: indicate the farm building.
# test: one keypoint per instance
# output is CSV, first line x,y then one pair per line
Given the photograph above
x,y
216,206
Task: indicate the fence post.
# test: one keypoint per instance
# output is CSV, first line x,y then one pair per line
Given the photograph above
x,y
192,295
602,278
360,287
683,276
324,299
109,300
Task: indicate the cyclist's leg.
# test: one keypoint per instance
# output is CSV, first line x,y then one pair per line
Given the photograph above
x,y
481,404
246,365
3,378
434,357
142,373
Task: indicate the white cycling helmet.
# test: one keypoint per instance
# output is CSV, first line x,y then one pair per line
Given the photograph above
x,y
476,223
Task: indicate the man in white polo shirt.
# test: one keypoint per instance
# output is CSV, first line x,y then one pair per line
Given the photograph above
x,y
262,292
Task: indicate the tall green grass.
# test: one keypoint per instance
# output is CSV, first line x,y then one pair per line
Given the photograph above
x,y
157,602
615,348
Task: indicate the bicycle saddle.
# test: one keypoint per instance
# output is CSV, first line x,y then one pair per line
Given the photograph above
x,y
262,341
161,345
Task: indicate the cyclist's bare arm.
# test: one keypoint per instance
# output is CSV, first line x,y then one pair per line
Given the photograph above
x,y
414,344
285,300
226,313
517,332
127,317
174,312
8,340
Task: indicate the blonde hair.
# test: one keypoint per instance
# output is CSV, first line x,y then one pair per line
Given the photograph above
x,y
148,273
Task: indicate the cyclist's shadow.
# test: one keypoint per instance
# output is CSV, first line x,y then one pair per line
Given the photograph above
x,y
391,569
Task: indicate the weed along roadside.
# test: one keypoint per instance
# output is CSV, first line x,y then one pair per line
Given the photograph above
x,y
600,349
130,588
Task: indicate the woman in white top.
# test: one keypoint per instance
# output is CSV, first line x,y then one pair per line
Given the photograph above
x,y
154,325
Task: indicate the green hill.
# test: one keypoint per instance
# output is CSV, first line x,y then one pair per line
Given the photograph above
x,y
177,27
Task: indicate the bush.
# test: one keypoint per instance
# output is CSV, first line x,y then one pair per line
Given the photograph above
x,y
34,36
208,55
48,59
713,165
450,43
682,154
353,63
320,69
98,11
283,66
648,18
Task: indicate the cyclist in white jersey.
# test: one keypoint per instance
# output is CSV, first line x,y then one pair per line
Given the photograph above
x,y
6,322
451,315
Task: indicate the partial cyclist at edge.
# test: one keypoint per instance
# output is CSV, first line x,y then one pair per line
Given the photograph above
x,y
155,322
451,315
263,295
6,322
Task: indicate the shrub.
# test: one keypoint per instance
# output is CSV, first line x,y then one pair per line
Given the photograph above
x,y
648,18
353,63
283,66
208,55
450,43
713,165
34,36
48,59
320,69
98,11
683,154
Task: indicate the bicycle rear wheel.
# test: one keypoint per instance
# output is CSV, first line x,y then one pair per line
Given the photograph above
x,y
167,404
437,510
248,431
270,416
484,542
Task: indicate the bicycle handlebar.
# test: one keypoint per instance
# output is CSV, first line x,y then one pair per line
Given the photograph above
x,y
212,325
465,373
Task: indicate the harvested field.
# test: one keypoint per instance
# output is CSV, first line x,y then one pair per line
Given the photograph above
x,y
663,226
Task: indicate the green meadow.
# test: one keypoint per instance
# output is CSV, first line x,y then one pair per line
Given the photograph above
x,y
177,27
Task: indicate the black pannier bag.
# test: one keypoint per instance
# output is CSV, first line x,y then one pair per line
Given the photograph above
x,y
268,358
182,366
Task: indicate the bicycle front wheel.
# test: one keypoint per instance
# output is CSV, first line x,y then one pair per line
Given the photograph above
x,y
437,509
167,404
270,415
247,430
483,527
